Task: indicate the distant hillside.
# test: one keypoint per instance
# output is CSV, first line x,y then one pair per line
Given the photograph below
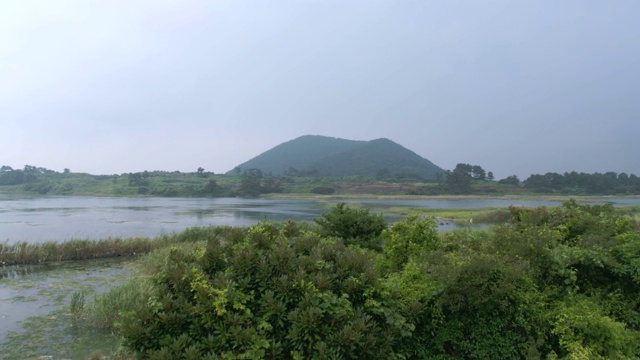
x,y
327,156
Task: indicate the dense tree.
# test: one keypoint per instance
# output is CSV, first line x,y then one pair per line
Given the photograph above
x,y
582,183
459,180
250,182
254,182
139,179
354,226
510,180
211,188
478,173
12,177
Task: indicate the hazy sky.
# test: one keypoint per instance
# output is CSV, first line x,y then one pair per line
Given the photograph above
x,y
516,86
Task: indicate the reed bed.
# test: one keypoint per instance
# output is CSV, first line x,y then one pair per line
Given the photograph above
x,y
490,215
21,253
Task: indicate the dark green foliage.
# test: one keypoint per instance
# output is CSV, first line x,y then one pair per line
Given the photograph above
x,y
254,182
459,180
371,157
510,180
354,226
586,257
212,188
326,156
554,283
465,179
408,237
139,179
266,295
9,176
582,183
156,183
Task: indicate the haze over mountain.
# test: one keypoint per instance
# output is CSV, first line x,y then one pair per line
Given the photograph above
x,y
328,156
518,87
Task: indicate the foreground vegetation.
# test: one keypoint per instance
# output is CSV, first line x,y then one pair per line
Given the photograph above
x,y
553,283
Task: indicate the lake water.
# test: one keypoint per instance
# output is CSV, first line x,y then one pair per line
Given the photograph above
x,y
42,219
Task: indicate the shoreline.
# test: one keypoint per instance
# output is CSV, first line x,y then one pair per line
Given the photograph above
x,y
553,198
304,196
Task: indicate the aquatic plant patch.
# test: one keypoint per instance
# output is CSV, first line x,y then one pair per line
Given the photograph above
x,y
43,309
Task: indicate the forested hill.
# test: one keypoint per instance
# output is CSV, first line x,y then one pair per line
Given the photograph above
x,y
327,156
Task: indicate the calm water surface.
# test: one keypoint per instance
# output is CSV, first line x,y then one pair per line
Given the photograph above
x,y
61,218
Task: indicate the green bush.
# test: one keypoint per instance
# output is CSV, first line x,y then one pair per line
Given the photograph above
x,y
554,283
409,237
354,226
266,295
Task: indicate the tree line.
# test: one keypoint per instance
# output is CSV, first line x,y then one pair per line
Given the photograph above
x,y
463,179
609,183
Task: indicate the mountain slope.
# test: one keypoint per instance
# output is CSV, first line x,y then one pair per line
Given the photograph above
x,y
327,156
374,156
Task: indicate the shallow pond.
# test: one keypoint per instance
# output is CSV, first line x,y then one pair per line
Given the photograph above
x,y
35,314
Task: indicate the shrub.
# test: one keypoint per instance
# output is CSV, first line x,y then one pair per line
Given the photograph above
x,y
266,295
354,226
409,237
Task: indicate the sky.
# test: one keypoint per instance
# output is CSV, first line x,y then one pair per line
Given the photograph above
x,y
515,86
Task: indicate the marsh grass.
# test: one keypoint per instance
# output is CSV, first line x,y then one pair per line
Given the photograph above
x,y
47,308
77,305
22,253
107,308
492,215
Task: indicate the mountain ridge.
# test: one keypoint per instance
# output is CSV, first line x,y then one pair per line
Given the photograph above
x,y
336,157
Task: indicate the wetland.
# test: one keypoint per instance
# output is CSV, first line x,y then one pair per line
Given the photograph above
x,y
36,313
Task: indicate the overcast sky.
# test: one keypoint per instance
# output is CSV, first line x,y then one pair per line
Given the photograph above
x,y
516,86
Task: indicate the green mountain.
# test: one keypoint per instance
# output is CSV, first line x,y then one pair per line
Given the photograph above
x,y
328,156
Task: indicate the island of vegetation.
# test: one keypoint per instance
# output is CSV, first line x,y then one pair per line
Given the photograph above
x,y
551,283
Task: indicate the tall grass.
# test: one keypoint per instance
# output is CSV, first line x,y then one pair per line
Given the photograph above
x,y
41,253
107,308
493,215
498,216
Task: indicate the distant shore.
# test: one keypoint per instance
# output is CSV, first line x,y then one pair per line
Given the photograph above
x,y
558,198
